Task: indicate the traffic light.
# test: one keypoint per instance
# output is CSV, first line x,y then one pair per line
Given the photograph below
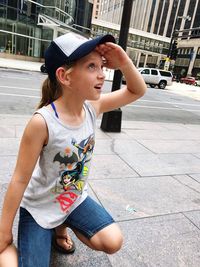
x,y
174,50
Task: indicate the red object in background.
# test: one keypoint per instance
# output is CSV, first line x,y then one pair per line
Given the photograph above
x,y
188,80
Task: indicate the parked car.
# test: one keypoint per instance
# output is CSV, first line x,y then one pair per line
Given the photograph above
x,y
43,68
188,80
2,49
197,83
156,77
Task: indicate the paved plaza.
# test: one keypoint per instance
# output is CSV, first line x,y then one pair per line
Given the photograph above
x,y
148,178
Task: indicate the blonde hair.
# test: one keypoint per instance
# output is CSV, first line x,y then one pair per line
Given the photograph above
x,y
51,90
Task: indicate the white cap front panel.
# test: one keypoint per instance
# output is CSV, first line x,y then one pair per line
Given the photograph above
x,y
69,42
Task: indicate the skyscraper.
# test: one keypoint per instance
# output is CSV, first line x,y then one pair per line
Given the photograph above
x,y
157,20
154,16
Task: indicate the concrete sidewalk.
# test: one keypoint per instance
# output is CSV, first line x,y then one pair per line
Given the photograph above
x,y
148,178
20,64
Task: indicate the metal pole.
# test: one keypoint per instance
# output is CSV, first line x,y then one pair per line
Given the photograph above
x,y
176,31
123,36
111,121
172,38
170,46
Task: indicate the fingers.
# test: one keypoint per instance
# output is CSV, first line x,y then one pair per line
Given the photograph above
x,y
105,48
112,45
113,55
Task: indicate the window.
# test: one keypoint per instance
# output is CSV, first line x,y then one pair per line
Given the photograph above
x,y
158,17
151,15
165,73
145,71
154,72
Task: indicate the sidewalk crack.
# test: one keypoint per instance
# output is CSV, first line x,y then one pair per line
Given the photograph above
x,y
190,220
193,178
186,184
95,194
129,165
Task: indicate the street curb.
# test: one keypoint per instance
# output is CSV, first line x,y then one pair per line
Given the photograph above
x,y
17,69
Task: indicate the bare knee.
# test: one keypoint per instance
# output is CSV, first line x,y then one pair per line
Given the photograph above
x,y
113,245
109,239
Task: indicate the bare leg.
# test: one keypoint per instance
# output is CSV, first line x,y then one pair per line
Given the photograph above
x,y
8,257
109,239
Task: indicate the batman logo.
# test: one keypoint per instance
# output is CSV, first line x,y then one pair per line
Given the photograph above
x,y
65,159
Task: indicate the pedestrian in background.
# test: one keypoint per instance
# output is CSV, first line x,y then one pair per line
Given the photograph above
x,y
52,192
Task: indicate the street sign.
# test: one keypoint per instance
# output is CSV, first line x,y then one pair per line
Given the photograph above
x,y
166,66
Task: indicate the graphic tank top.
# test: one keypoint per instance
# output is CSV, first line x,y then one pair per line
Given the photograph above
x,y
58,183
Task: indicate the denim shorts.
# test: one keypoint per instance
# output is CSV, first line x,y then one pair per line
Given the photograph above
x,y
34,242
89,218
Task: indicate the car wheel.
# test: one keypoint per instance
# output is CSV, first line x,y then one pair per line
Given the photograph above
x,y
43,69
152,85
162,84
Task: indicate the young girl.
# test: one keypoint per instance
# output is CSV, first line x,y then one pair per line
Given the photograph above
x,y
53,192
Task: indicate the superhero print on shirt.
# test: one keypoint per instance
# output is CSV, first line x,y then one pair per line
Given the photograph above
x,y
73,170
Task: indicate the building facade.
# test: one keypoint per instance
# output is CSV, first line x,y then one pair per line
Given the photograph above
x,y
154,16
27,27
142,47
158,20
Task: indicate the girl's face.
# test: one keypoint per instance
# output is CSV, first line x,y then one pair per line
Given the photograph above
x,y
87,77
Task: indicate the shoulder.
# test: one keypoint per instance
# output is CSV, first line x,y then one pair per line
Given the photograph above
x,y
36,129
37,122
91,107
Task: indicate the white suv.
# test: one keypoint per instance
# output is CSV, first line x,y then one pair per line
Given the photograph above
x,y
154,77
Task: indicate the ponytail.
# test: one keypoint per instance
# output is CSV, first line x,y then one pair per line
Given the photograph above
x,y
51,90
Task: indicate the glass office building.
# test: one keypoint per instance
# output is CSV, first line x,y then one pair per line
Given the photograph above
x,y
27,27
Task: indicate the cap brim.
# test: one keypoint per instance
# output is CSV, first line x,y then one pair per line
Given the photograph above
x,y
89,46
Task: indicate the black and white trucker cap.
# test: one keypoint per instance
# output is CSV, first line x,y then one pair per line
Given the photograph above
x,y
68,48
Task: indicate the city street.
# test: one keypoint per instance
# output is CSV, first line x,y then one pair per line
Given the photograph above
x,y
20,93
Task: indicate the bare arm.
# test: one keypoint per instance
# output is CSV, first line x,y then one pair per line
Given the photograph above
x,y
116,58
34,137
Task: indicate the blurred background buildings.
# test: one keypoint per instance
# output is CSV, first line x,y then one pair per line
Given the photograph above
x,y
27,27
153,24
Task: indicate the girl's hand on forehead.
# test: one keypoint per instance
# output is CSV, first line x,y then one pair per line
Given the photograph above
x,y
115,57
